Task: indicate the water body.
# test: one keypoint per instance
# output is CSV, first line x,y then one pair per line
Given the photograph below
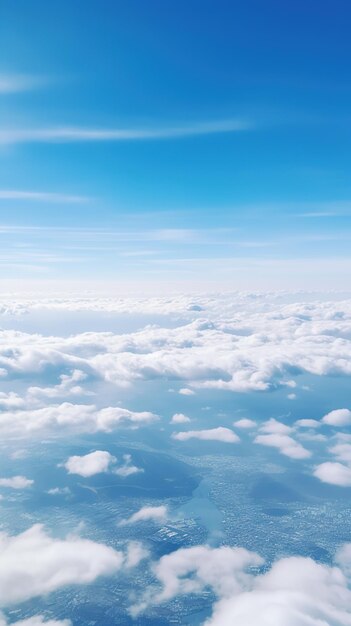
x,y
205,511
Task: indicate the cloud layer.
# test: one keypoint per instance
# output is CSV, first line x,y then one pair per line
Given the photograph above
x,y
294,591
44,564
221,347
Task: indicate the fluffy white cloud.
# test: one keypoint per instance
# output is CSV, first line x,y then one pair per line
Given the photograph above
x,y
127,468
307,423
333,473
36,620
278,435
212,434
242,342
75,417
147,513
59,491
342,451
98,462
44,564
191,570
295,591
244,423
90,464
180,418
135,553
16,482
10,401
338,417
285,444
69,386
273,427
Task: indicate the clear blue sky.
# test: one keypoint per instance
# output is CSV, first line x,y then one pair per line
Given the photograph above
x,y
191,142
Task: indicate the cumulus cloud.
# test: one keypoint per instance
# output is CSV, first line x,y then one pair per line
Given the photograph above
x,y
294,591
59,491
246,343
307,423
285,444
278,435
212,434
16,482
184,391
36,620
180,418
146,514
191,570
90,464
338,417
333,473
67,416
68,386
244,423
135,553
342,451
44,564
10,401
127,468
273,426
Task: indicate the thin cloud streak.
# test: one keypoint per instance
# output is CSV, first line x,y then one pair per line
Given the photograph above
x,y
67,134
40,196
16,83
183,235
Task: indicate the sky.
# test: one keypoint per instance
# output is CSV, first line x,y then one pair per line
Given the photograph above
x,y
160,145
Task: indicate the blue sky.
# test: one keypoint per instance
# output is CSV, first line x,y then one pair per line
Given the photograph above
x,y
192,144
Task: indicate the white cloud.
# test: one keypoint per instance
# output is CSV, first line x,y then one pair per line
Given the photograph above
x,y
135,553
338,417
16,482
40,196
184,391
59,491
44,564
333,473
212,434
245,423
285,444
36,620
251,343
90,464
10,401
307,423
127,469
146,514
342,452
294,591
278,435
68,416
78,134
272,426
180,418
15,83
67,387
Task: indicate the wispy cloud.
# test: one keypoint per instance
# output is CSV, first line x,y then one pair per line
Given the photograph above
x,y
15,83
178,235
40,196
71,134
324,214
